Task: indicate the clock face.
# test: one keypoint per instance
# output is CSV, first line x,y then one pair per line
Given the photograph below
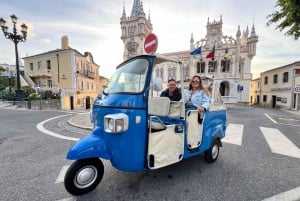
x,y
132,46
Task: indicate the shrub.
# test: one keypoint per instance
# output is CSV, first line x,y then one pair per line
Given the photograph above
x,y
34,96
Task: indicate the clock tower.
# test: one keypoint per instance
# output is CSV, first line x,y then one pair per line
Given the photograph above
x,y
134,30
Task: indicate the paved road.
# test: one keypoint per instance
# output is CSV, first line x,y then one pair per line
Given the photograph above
x,y
249,167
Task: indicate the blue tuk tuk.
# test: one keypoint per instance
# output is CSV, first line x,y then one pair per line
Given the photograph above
x,y
136,130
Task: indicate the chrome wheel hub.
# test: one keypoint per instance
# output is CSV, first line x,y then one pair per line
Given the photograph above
x,y
85,177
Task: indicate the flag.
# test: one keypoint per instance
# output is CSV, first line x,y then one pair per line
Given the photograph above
x,y
226,55
211,54
196,51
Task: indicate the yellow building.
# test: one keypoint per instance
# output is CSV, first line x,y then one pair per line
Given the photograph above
x,y
255,91
68,72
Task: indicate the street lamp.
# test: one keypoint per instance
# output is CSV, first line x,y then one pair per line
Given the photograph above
x,y
16,38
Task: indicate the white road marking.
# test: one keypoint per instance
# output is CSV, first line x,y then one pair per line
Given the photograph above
x,y
279,143
40,127
61,174
291,195
271,118
289,119
68,199
234,134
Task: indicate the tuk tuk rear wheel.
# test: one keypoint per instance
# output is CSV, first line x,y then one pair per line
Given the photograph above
x,y
83,176
212,153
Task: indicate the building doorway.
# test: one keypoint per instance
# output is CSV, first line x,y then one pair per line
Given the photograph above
x,y
87,102
273,101
224,88
71,102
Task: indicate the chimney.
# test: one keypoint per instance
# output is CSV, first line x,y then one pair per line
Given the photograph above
x,y
64,42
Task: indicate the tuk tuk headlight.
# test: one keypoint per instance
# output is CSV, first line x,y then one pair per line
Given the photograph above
x,y
116,123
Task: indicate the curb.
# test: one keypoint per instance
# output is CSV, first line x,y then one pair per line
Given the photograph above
x,y
296,112
70,122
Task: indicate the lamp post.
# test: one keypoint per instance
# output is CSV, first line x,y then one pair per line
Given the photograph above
x,y
16,38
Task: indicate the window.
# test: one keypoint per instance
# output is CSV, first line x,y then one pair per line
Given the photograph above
x,y
225,65
171,73
264,98
31,66
48,64
285,77
174,73
162,73
275,78
39,65
212,66
201,67
157,72
266,80
186,72
49,83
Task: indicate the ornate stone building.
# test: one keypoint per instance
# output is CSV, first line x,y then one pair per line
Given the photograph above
x,y
230,64
134,29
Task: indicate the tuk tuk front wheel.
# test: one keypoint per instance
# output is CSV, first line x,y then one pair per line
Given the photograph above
x,y
212,153
83,176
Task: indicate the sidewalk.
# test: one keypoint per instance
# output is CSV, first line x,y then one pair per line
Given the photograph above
x,y
7,105
81,120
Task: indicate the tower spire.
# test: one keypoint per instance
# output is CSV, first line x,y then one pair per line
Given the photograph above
x,y
149,19
137,8
124,13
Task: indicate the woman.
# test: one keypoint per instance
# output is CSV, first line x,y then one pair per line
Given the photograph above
x,y
196,97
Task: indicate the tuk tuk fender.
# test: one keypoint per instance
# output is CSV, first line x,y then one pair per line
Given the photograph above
x,y
216,135
90,146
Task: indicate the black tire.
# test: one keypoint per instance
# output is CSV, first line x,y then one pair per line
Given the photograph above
x,y
212,153
83,176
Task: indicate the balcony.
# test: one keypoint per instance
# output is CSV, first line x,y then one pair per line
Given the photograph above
x,y
39,74
90,74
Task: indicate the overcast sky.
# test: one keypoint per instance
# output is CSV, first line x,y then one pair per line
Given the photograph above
x,y
94,26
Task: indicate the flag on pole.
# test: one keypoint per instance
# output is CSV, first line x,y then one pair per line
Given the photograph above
x,y
196,51
226,55
211,54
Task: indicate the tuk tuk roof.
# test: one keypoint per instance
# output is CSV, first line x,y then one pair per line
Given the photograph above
x,y
161,58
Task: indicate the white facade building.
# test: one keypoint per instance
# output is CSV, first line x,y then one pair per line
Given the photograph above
x,y
280,87
230,65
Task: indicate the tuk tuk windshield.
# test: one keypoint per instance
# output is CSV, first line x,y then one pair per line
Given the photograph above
x,y
129,78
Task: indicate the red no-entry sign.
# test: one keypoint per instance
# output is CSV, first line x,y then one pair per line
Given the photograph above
x,y
151,43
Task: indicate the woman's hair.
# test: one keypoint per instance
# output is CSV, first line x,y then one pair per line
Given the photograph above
x,y
200,83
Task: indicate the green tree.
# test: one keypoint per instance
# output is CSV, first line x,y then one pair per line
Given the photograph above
x,y
288,17
2,69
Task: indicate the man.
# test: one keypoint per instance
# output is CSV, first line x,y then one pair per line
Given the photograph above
x,y
172,91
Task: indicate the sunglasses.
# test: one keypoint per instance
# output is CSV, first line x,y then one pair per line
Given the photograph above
x,y
195,81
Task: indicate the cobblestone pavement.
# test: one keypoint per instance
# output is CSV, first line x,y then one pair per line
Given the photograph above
x,y
81,120
64,124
